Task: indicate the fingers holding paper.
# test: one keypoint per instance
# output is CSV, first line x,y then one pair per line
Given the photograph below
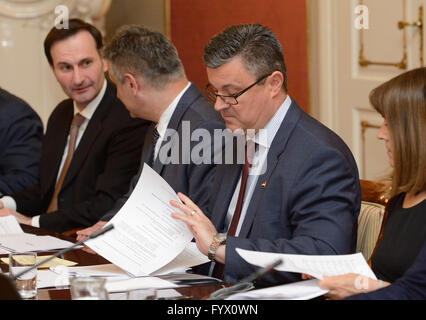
x,y
20,217
348,284
201,227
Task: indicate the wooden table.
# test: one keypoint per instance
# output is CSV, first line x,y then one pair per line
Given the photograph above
x,y
84,258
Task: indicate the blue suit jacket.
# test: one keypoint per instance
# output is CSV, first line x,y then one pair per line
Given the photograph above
x,y
310,202
21,134
411,286
187,177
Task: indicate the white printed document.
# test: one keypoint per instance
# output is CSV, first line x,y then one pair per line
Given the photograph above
x,y
9,225
301,290
145,236
22,242
314,265
189,257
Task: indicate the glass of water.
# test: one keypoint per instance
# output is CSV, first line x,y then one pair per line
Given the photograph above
x,y
26,284
88,288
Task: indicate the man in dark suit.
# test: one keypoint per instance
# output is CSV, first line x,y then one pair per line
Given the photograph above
x,y
302,194
21,132
92,146
152,84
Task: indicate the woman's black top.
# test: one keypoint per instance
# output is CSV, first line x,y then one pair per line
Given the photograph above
x,y
404,234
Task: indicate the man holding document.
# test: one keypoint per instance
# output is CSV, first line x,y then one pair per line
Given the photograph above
x,y
152,84
302,194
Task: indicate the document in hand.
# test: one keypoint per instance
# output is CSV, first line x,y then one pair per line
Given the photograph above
x,y
9,225
14,239
145,236
302,290
316,266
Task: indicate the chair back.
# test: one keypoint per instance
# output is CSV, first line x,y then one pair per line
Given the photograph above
x,y
370,219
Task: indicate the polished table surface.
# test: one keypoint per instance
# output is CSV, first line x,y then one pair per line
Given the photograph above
x,y
84,258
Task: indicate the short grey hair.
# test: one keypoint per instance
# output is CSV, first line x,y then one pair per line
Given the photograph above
x,y
260,50
145,53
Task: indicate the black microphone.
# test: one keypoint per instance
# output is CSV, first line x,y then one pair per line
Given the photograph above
x,y
92,236
244,284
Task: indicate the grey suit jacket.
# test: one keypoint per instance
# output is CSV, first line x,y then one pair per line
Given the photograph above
x,y
193,112
307,201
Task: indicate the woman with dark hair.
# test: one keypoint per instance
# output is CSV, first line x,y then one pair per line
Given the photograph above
x,y
402,103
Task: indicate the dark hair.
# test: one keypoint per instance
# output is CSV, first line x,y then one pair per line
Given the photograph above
x,y
258,47
144,52
74,26
402,102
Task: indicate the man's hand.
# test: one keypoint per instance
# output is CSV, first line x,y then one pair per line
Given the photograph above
x,y
85,233
199,225
20,217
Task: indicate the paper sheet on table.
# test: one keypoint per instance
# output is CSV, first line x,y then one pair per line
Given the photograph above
x,y
302,290
48,278
30,242
49,264
189,257
113,285
145,236
313,265
9,225
162,294
101,270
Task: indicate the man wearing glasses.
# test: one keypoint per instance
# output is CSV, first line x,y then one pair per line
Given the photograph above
x,y
300,196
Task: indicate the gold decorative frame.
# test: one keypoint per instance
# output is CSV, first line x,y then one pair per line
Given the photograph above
x,y
363,62
364,126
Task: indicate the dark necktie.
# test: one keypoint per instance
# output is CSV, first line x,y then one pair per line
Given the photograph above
x,y
249,153
219,268
155,136
75,125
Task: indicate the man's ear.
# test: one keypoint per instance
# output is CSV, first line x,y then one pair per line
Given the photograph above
x,y
104,65
276,82
131,82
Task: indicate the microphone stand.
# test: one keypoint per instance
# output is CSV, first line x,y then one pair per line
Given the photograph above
x,y
92,236
244,284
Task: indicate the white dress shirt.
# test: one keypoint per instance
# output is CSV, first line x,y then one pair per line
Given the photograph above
x,y
165,119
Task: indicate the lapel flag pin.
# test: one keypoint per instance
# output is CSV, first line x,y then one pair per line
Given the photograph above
x,y
263,185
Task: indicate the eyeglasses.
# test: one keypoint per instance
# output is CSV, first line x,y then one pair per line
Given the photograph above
x,y
230,99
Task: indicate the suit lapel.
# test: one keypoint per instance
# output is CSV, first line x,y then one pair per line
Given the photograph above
x,y
175,123
276,149
230,174
93,129
56,150
148,148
